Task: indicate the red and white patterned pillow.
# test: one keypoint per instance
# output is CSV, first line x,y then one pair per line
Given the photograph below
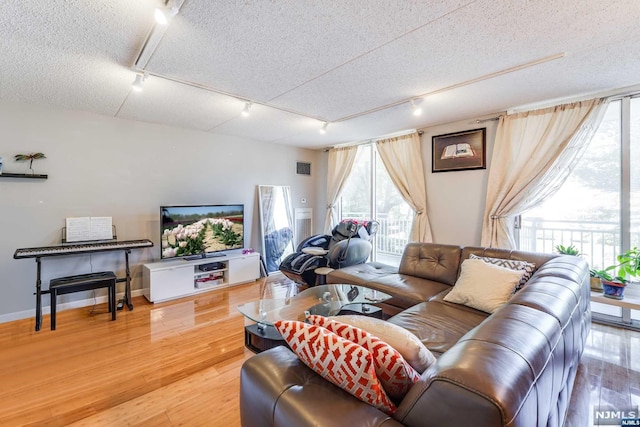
x,y
344,363
407,344
396,375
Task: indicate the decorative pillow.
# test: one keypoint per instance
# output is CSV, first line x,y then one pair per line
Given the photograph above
x,y
344,363
407,344
483,286
395,374
512,264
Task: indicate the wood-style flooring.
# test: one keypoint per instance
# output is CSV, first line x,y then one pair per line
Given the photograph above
x,y
177,364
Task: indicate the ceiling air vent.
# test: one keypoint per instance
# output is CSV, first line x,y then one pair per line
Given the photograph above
x,y
303,168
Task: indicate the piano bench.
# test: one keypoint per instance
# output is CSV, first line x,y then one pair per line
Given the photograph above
x,y
83,282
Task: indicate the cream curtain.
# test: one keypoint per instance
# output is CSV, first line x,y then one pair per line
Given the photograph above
x,y
533,154
340,165
402,158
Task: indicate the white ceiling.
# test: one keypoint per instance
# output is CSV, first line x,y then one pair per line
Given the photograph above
x,y
307,61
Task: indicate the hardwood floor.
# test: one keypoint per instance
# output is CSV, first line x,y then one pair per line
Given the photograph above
x,y
177,363
174,363
610,368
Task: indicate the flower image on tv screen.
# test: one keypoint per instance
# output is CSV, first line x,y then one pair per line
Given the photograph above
x,y
200,230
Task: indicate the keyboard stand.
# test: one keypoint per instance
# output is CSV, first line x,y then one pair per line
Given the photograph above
x,y
39,253
126,301
127,288
39,294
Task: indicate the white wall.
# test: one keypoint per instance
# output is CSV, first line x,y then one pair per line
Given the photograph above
x,y
102,166
456,199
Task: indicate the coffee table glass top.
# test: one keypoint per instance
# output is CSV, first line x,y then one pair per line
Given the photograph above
x,y
325,300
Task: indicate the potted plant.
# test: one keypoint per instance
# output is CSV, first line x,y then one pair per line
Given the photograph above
x,y
628,266
567,250
595,282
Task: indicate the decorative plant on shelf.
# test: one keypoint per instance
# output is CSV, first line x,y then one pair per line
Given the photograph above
x,y
596,282
31,157
615,277
567,250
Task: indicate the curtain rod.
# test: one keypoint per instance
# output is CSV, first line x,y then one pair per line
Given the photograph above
x,y
492,117
420,132
377,138
611,95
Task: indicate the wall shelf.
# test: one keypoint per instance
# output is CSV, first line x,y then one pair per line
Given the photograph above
x,y
23,175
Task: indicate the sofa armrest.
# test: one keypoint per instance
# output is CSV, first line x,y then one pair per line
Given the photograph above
x,y
277,389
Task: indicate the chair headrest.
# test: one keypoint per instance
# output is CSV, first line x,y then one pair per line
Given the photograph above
x,y
364,229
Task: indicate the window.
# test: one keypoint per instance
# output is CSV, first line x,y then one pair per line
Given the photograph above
x,y
634,172
370,194
585,212
597,209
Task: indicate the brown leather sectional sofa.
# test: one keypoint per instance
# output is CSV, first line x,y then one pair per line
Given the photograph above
x,y
515,367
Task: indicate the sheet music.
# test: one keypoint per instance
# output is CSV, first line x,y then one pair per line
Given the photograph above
x,y
87,228
101,228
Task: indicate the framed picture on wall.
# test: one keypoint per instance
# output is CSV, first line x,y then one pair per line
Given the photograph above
x,y
459,151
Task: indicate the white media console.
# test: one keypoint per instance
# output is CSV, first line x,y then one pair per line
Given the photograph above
x,y
166,280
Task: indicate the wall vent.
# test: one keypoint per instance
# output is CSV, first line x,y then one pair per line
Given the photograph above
x,y
304,224
303,168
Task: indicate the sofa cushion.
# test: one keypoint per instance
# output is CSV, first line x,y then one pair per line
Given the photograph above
x,y
439,325
339,360
484,286
407,344
432,262
406,290
360,274
512,264
394,373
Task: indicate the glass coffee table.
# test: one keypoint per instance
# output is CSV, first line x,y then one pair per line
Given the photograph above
x,y
325,300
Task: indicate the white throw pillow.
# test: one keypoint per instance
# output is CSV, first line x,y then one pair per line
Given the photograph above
x,y
483,286
407,344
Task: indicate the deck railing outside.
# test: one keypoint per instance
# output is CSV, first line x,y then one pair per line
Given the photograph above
x,y
597,241
392,236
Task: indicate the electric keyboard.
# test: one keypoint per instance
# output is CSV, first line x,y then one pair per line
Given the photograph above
x,y
81,248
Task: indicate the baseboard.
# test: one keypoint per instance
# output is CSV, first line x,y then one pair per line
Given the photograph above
x,y
18,315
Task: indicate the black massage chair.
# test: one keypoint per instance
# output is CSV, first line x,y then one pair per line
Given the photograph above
x,y
349,244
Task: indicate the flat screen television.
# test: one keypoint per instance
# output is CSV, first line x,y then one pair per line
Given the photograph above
x,y
200,231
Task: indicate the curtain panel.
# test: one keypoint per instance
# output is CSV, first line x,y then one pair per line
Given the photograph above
x,y
340,164
402,157
533,154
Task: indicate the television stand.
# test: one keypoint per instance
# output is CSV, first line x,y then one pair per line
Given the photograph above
x,y
165,280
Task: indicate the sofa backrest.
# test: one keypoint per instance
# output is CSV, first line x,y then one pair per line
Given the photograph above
x,y
441,263
533,257
431,261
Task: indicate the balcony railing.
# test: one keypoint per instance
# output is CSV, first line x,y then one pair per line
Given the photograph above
x,y
392,236
597,241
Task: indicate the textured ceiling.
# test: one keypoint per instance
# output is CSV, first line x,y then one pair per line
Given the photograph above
x,y
304,62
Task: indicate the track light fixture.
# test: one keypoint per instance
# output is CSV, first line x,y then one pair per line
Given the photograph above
x,y
245,110
139,81
163,15
323,129
415,106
